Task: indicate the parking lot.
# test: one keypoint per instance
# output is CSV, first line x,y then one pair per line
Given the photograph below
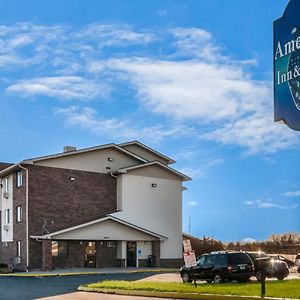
x,y
175,277
27,288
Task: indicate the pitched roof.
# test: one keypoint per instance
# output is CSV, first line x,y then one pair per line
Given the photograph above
x,y
4,165
107,217
156,163
170,160
85,150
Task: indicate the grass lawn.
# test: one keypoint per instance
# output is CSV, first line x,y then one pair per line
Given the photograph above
x,y
280,289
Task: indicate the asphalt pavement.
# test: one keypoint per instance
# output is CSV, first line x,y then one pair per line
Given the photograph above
x,y
28,288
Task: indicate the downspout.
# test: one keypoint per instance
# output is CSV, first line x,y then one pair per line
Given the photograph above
x,y
27,221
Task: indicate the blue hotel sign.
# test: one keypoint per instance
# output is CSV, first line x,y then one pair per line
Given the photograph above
x,y
287,66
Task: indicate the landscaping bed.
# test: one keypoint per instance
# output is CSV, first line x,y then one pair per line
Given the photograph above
x,y
4,269
277,289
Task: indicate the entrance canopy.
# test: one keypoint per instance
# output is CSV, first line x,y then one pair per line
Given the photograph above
x,y
107,228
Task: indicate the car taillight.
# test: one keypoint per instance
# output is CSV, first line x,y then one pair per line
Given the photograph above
x,y
229,268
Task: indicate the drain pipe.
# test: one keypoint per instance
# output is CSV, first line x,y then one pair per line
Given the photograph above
x,y
27,227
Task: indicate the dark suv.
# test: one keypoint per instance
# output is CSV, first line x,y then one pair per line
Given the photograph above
x,y
270,266
220,266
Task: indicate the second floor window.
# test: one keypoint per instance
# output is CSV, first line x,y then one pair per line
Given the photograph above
x,y
19,213
19,252
7,184
6,216
19,179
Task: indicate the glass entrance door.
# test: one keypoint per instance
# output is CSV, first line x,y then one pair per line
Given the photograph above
x,y
90,255
131,254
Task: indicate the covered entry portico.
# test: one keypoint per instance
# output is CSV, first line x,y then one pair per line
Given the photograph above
x,y
103,243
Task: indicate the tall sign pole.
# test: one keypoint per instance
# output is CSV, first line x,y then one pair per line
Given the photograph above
x,y
287,66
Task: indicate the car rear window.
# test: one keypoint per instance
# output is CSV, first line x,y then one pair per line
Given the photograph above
x,y
239,258
258,255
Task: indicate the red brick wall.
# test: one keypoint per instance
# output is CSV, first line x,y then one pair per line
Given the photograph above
x,y
19,199
63,203
54,198
106,256
74,257
8,251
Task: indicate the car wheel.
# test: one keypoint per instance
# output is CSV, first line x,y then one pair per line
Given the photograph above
x,y
186,278
218,278
258,275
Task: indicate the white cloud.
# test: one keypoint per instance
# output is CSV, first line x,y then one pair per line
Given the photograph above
x,y
292,194
192,203
65,87
256,132
195,42
192,172
266,204
21,40
113,34
115,128
191,89
202,167
194,85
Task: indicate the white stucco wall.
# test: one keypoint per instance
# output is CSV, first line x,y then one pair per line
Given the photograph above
x,y
156,209
150,156
94,161
106,230
144,249
7,203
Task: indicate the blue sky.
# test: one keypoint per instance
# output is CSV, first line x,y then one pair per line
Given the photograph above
x,y
192,79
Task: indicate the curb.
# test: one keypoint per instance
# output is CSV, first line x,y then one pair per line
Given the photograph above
x,y
86,273
171,295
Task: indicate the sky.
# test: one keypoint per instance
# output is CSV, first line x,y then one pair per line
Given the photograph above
x,y
192,79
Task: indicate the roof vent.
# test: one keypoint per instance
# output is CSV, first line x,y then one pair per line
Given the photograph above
x,y
69,149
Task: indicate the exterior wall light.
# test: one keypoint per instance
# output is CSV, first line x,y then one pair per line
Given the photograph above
x,y
72,178
154,185
110,159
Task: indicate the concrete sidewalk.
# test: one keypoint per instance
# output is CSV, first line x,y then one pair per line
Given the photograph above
x,y
86,271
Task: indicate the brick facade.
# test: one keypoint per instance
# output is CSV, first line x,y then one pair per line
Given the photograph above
x,y
8,251
19,199
106,256
52,194
74,257
59,199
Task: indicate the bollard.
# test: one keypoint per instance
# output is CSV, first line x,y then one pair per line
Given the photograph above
x,y
193,276
263,283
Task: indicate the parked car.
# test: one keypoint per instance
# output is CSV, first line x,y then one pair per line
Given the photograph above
x,y
289,262
220,266
268,266
297,260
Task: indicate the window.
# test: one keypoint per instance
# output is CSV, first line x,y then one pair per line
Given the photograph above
x,y
19,214
6,212
111,244
18,248
19,179
59,248
200,261
54,248
209,261
7,184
